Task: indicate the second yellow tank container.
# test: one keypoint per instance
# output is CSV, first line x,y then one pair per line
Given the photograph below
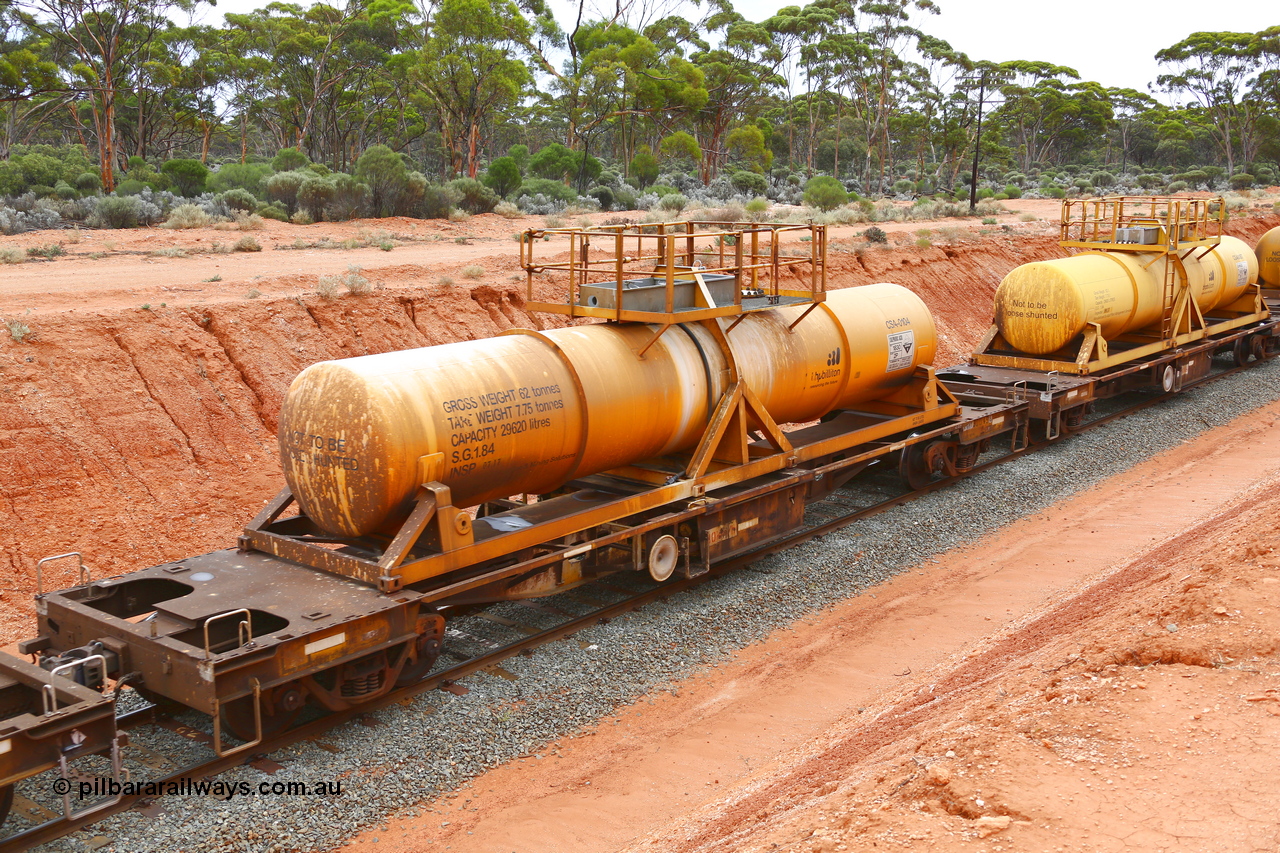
x,y
1268,253
1042,306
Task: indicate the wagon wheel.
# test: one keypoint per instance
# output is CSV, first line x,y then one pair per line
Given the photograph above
x,y
923,463
6,802
280,707
1240,352
416,670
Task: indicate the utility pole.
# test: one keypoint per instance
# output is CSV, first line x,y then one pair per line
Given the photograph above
x,y
977,144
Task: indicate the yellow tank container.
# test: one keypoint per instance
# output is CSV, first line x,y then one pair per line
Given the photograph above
x,y
1041,307
529,411
1268,253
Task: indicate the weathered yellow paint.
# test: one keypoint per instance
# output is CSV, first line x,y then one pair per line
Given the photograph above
x,y
1041,307
530,411
1268,253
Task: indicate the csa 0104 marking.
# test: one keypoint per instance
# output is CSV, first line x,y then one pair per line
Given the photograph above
x,y
901,350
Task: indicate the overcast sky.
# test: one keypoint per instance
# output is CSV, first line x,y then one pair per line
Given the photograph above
x,y
1111,43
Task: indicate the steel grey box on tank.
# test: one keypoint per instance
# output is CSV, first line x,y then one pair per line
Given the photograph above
x,y
650,294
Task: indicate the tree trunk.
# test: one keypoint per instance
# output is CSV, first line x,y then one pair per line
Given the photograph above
x,y
472,137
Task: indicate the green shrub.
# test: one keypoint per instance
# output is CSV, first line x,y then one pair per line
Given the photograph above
x,y
985,192
673,202
875,234
1013,191
503,176
553,162
65,191
644,167
923,243
1103,179
289,159
314,195
549,188
283,187
188,216
749,183
384,172
275,211
186,176
250,177
1150,181
661,190
904,187
1241,181
825,193
1177,186
473,196
1194,176
116,212
603,195
758,208
624,199
239,199
1056,192
51,251
438,200
350,197
40,170
88,182
520,153
246,244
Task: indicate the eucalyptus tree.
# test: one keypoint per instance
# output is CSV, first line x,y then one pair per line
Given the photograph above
x,y
100,45
234,74
797,31
942,97
1049,112
471,74
326,69
628,83
1130,111
871,53
26,72
1214,70
740,70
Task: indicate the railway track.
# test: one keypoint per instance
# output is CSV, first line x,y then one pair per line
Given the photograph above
x,y
481,640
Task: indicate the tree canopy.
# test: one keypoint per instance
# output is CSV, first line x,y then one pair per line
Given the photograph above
x,y
444,89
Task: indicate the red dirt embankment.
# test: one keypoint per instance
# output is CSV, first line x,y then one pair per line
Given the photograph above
x,y
138,435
